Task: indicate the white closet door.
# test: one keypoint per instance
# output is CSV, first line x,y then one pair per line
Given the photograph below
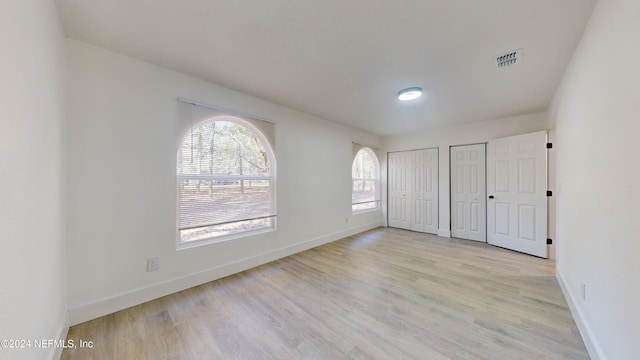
x,y
468,200
517,186
424,195
399,200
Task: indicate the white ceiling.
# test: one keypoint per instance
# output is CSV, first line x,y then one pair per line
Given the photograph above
x,y
345,60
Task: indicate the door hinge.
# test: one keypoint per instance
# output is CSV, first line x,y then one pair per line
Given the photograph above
x,y
549,145
549,193
549,241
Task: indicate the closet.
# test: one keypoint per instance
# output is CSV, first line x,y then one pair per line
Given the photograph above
x,y
468,189
413,190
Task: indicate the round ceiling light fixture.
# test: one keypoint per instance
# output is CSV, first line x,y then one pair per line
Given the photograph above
x,y
411,93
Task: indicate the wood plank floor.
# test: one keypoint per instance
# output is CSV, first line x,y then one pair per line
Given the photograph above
x,y
383,294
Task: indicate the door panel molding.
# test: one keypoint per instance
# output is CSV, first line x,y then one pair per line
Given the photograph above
x,y
517,180
413,190
468,191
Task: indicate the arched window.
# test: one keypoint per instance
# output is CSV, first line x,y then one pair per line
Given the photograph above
x,y
225,173
365,184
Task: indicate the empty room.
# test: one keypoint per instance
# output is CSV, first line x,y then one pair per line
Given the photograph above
x,y
434,179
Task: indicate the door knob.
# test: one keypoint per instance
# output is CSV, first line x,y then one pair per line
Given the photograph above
x,y
490,196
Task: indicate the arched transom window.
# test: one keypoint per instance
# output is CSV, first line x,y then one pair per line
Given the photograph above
x,y
365,184
225,173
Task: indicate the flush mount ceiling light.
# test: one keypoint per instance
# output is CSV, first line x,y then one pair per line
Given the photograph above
x,y
411,93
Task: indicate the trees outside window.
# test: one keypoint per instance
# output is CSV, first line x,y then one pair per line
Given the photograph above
x,y
225,176
365,184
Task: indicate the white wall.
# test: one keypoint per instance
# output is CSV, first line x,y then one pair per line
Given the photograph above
x,y
458,135
121,150
596,111
32,286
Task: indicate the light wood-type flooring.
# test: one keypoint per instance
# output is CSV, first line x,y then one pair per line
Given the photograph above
x,y
383,294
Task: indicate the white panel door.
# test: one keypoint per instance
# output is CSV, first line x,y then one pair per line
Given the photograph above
x,y
517,185
424,194
399,175
468,204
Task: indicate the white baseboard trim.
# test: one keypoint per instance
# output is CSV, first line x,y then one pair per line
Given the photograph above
x,y
61,334
89,311
594,350
444,233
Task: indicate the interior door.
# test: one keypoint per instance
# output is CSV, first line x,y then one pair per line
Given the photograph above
x,y
424,194
468,204
399,168
517,185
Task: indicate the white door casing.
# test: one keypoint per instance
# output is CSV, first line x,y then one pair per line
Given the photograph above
x,y
516,187
468,199
424,194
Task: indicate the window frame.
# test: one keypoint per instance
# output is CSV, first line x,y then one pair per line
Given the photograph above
x,y
376,181
271,161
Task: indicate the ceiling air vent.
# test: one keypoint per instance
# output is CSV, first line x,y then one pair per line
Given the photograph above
x,y
509,59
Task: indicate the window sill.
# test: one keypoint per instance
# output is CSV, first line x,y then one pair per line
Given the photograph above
x,y
365,211
219,239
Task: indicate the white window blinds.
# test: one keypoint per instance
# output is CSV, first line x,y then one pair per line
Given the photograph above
x,y
365,174
225,174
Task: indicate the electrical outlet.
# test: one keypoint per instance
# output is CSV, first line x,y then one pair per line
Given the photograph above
x,y
153,264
